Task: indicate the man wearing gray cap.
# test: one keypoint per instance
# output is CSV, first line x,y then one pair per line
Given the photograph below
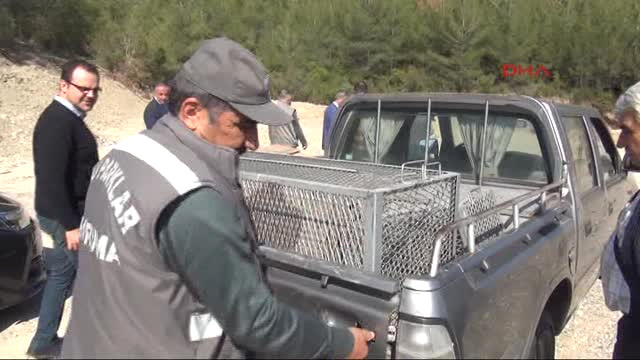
x,y
168,252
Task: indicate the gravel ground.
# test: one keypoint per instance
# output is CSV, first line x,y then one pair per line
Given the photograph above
x,y
27,88
590,334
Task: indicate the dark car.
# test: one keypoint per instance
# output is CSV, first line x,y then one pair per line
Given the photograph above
x,y
22,272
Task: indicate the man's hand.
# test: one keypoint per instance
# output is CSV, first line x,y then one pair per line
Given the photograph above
x,y
361,337
73,239
304,146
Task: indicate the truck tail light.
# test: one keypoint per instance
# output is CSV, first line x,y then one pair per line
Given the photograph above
x,y
423,341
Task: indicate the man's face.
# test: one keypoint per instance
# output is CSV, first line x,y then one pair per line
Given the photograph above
x,y
162,94
287,100
630,135
82,90
231,129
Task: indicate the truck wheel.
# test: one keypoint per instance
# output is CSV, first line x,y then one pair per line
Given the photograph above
x,y
544,343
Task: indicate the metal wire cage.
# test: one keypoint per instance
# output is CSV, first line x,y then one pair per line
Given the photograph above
x,y
375,218
477,201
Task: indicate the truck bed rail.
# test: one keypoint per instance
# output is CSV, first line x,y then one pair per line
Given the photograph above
x,y
469,221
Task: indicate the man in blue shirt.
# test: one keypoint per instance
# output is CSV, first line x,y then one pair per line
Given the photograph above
x,y
330,115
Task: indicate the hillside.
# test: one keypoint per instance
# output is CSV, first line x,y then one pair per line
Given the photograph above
x,y
26,89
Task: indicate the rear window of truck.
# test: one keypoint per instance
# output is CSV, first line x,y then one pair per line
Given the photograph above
x,y
513,149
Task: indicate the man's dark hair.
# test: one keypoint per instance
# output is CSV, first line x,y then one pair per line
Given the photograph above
x,y
163,84
617,91
341,94
360,87
70,66
182,89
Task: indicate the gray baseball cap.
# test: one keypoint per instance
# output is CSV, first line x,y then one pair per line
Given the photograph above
x,y
226,70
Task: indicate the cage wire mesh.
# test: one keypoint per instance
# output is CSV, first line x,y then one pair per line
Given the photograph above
x,y
312,223
323,209
411,218
359,175
477,201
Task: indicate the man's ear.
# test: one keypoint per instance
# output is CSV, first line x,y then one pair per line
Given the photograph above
x,y
189,112
63,86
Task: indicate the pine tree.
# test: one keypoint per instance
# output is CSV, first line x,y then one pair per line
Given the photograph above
x,y
458,43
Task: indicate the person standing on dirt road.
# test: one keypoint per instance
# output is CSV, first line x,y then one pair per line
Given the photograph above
x,y
620,262
64,153
169,255
157,107
330,114
289,134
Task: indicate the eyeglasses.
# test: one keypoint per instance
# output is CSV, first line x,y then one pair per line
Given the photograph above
x,y
85,90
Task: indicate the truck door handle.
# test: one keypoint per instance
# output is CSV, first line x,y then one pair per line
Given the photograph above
x,y
588,228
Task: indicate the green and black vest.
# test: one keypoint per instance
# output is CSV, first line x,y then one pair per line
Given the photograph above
x,y
127,302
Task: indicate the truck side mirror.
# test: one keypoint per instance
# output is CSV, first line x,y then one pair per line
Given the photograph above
x,y
628,165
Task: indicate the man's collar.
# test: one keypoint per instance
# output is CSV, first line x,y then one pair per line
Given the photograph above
x,y
156,100
221,159
336,104
66,103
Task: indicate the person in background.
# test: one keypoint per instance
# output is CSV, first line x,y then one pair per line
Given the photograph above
x,y
620,262
157,107
169,256
360,87
289,134
330,114
64,153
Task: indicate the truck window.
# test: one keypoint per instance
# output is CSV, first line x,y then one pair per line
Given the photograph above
x,y
582,153
360,144
402,136
513,148
606,149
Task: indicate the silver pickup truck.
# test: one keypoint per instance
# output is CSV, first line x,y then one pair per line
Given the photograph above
x,y
452,225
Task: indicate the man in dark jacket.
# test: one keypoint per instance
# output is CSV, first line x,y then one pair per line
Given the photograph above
x,y
330,114
157,107
169,255
64,153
